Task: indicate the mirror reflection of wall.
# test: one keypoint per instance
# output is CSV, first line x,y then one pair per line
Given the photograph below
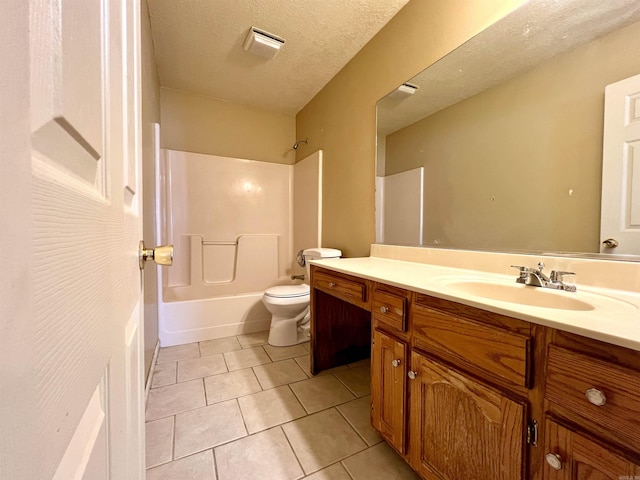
x,y
518,166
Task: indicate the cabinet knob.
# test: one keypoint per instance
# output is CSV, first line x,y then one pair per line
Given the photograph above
x,y
384,309
396,362
412,375
332,284
554,460
596,397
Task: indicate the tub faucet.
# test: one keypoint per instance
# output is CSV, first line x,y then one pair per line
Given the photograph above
x,y
297,277
536,278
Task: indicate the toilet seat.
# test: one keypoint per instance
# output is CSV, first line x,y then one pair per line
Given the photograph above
x,y
288,291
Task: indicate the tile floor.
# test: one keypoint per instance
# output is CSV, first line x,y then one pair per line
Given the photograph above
x,y
238,409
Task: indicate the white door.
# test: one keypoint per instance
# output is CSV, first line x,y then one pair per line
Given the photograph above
x,y
70,291
620,220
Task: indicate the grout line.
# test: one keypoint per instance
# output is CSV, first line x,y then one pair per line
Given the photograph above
x,y
304,473
173,434
352,425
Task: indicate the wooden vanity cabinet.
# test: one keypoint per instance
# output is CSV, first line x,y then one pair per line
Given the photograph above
x,y
388,388
573,456
461,428
389,360
340,319
462,393
592,410
470,374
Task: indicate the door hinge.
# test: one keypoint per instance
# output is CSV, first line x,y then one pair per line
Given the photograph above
x,y
532,434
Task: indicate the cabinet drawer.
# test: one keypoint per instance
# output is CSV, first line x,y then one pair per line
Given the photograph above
x,y
390,310
473,345
347,289
571,377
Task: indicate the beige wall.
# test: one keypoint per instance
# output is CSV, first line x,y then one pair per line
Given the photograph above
x,y
341,118
150,115
500,166
198,124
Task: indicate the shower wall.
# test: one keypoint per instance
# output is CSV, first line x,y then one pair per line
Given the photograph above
x,y
230,221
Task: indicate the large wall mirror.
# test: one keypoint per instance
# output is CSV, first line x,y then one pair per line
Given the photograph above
x,y
499,145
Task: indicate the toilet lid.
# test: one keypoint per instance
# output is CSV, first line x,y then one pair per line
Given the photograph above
x,y
288,291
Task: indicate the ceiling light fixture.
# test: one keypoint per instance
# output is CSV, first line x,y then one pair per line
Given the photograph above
x,y
263,44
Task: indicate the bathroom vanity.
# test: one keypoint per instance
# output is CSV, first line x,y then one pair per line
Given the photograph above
x,y
469,387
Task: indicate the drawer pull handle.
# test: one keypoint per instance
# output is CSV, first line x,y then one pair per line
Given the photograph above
x,y
332,284
396,362
412,375
596,397
384,309
554,460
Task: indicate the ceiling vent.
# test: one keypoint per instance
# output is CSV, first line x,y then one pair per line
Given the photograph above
x,y
403,91
263,44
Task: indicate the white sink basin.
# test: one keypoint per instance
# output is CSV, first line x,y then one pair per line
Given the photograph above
x,y
516,293
521,294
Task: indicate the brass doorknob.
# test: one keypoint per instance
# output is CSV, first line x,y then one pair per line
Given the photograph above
x,y
162,255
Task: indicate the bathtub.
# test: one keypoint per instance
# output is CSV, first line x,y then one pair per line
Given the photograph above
x,y
187,321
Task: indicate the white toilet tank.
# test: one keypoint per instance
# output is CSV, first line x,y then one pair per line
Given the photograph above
x,y
317,254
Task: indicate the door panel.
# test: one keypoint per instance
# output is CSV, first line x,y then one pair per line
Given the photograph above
x,y
462,429
85,228
388,386
582,459
621,167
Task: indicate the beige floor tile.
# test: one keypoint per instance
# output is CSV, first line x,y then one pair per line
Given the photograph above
x,y
359,363
179,352
322,439
172,399
357,379
272,407
201,367
358,414
219,345
263,456
208,427
305,363
334,472
164,374
307,346
230,385
196,467
279,373
255,339
379,463
248,357
159,441
321,392
282,353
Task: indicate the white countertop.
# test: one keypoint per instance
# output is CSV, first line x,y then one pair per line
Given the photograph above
x,y
615,317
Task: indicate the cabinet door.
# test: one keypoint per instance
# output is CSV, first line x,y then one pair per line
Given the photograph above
x,y
571,456
388,388
461,429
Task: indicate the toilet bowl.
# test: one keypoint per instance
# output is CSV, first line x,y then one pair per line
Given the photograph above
x,y
289,304
289,308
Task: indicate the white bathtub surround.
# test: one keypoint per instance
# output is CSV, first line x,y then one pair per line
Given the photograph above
x,y
232,224
612,288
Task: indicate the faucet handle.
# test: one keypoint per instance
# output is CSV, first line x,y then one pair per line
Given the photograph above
x,y
521,268
556,276
524,273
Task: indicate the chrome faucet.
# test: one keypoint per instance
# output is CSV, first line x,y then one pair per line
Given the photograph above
x,y
536,278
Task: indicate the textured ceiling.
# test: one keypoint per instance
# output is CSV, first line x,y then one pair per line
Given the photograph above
x,y
526,38
198,46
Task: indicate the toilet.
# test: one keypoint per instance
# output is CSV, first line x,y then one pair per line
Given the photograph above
x,y
289,304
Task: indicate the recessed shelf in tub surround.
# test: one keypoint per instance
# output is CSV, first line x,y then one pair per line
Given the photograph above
x,y
611,288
